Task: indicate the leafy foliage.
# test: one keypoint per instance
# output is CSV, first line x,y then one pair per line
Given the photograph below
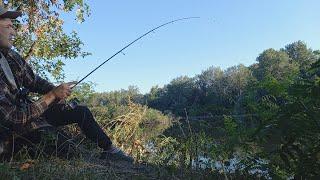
x,y
40,36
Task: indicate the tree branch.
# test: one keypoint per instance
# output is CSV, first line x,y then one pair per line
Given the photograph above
x,y
27,57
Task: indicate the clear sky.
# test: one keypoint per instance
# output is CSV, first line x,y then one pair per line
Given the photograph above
x,y
228,33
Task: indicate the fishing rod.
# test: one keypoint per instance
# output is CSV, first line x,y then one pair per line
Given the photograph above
x,y
121,50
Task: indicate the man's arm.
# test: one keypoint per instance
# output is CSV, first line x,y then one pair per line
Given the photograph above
x,y
35,83
15,115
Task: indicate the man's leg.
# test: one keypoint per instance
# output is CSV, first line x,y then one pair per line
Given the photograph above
x,y
59,116
42,141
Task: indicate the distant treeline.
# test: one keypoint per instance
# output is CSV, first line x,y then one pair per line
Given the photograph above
x,y
223,92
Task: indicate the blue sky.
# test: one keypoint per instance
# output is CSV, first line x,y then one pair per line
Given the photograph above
x,y
228,33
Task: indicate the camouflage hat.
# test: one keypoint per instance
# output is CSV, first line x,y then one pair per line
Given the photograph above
x,y
4,13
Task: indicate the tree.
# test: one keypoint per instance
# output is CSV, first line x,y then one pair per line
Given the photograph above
x,y
40,36
300,54
289,133
208,78
275,64
180,93
211,87
238,78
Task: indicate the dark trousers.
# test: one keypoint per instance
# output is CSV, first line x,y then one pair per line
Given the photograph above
x,y
58,116
48,140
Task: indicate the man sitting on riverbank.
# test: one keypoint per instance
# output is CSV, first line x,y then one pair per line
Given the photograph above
x,y
22,117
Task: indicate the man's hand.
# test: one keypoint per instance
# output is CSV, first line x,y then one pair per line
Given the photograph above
x,y
63,90
59,93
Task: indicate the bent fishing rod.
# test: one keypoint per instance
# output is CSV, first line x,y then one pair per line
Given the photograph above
x,y
121,50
